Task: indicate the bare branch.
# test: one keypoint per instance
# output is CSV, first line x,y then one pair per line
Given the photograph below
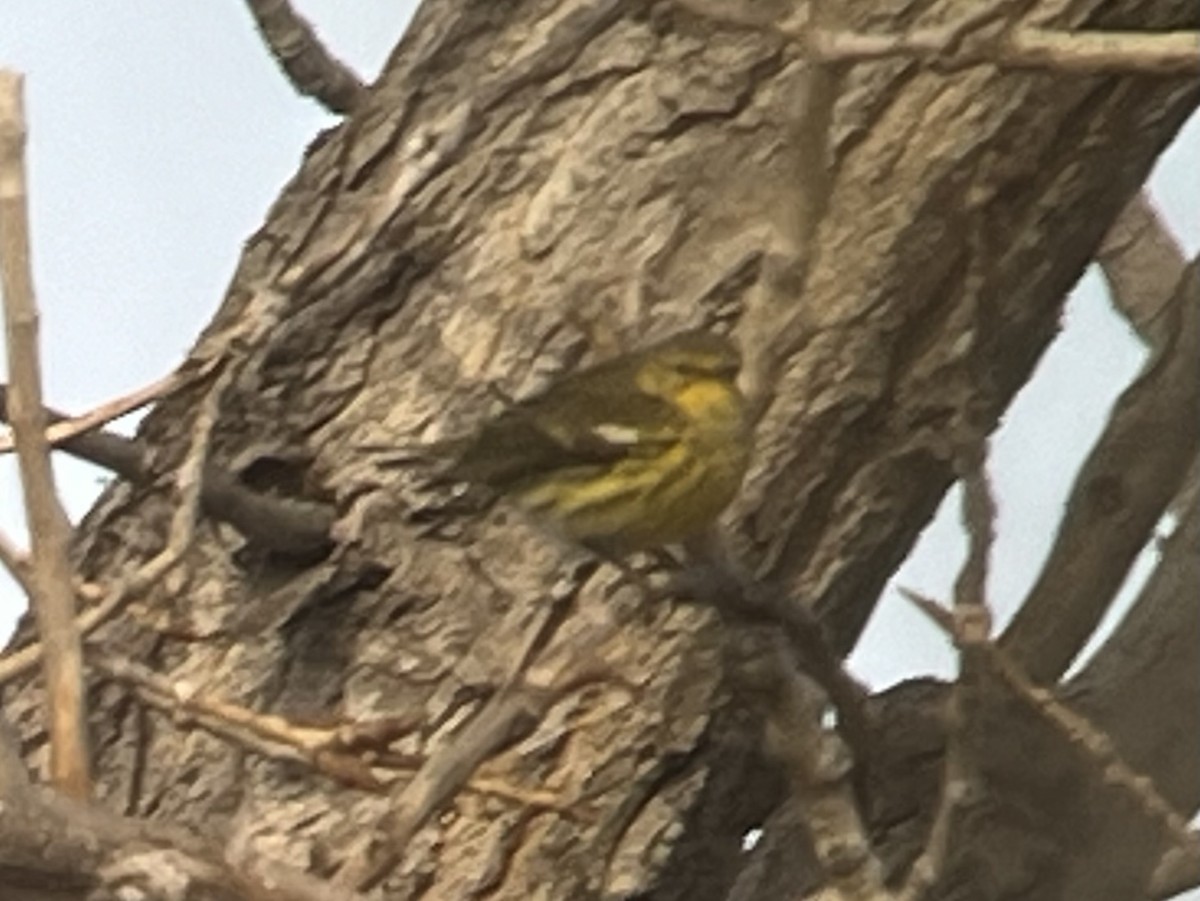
x,y
1076,728
1136,686
971,625
507,717
818,767
116,852
714,578
1142,263
49,530
106,412
286,525
74,849
1178,872
1124,487
179,538
1147,53
300,54
1116,771
274,737
105,449
979,520
1166,53
346,752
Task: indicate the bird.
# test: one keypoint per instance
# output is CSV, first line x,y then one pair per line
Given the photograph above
x,y
634,453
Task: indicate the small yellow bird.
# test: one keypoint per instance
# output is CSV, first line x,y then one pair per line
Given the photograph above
x,y
636,452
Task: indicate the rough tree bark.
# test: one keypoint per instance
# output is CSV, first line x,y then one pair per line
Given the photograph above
x,y
535,183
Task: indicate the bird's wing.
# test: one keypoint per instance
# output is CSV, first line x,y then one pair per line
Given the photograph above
x,y
535,438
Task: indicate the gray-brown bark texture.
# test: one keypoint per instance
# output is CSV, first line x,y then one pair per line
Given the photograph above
x,y
532,184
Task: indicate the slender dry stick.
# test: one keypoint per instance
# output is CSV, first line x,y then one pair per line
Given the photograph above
x,y
346,752
188,485
49,530
1074,726
1149,53
61,847
971,623
509,713
819,767
102,414
289,525
105,602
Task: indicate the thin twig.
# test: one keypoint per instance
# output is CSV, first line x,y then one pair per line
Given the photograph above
x,y
345,752
108,450
1073,726
73,848
507,717
179,538
103,414
287,525
818,767
1147,53
270,736
971,623
979,520
49,530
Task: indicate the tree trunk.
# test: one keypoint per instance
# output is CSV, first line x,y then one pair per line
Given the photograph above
x,y
533,185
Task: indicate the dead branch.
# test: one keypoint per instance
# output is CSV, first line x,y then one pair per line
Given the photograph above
x,y
19,662
286,525
818,767
1074,727
1135,676
1142,263
108,450
1020,47
49,530
105,413
346,752
1178,871
179,538
53,842
971,621
324,748
511,714
1102,751
312,70
1122,490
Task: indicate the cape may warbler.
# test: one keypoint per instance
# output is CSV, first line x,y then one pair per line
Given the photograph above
x,y
636,452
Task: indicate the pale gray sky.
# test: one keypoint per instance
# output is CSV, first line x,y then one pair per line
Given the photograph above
x,y
161,132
